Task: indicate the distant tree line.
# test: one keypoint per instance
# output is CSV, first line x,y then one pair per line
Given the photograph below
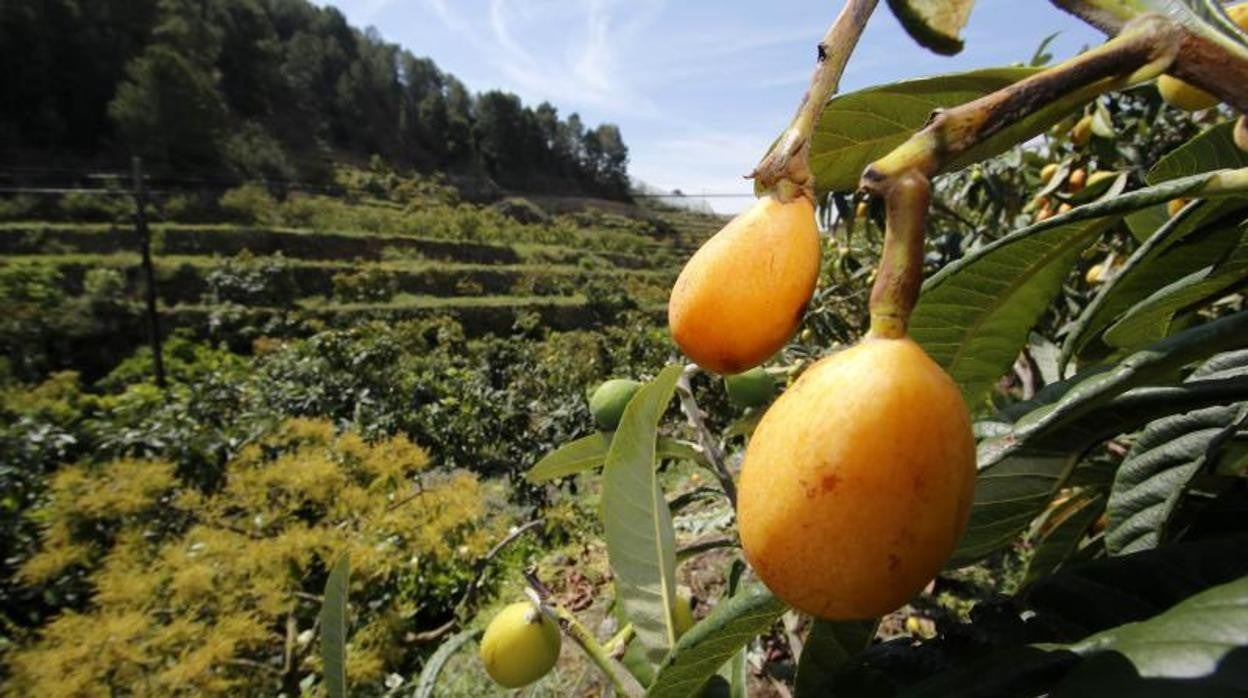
x,y
274,89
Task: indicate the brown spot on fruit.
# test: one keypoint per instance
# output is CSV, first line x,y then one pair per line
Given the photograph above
x,y
829,482
845,421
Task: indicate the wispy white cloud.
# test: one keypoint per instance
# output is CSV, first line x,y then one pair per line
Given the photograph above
x,y
588,71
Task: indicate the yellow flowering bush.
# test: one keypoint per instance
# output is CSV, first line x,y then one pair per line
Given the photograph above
x,y
218,592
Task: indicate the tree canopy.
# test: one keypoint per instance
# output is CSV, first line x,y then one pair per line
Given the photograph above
x,y
269,88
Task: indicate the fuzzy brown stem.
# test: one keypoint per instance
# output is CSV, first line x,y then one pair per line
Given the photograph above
x,y
1144,50
900,273
785,169
1207,58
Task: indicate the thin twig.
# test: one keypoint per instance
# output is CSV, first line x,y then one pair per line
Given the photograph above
x,y
710,449
470,592
484,562
788,158
621,680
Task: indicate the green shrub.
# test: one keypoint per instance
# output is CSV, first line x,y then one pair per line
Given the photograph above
x,y
96,205
18,207
104,284
249,203
371,284
255,281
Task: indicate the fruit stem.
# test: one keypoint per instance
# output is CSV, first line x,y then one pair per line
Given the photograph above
x,y
623,682
900,273
785,169
710,449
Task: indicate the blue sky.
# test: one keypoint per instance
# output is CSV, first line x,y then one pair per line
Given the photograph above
x,y
699,88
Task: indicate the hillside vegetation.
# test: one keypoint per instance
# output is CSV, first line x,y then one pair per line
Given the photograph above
x,y
249,264
279,89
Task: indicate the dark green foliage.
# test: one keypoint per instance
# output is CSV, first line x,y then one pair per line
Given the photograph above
x,y
252,89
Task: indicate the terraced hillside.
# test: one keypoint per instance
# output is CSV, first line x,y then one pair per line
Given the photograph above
x,y
288,268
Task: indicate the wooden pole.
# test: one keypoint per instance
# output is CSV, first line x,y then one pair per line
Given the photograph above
x,y
149,275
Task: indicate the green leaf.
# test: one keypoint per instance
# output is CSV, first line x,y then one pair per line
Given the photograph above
x,y
1144,222
1168,255
1153,317
1066,526
638,524
571,458
591,451
1186,642
934,24
714,640
1155,473
858,128
1212,150
1098,187
334,629
975,314
1093,596
829,647
1022,466
429,675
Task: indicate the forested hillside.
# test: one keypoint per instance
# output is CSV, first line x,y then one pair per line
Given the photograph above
x,y
275,89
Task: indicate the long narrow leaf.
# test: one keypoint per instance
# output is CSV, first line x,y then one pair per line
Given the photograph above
x,y
334,629
975,314
641,543
1212,150
1153,317
1168,255
590,452
433,668
1186,642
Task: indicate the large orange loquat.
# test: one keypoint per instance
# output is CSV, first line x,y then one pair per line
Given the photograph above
x,y
857,483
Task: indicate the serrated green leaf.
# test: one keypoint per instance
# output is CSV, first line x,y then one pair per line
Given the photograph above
x,y
433,667
1228,364
858,128
1212,150
334,629
1013,489
1152,318
641,543
1155,473
1066,526
1022,468
1187,641
829,647
973,317
590,452
714,640
1169,254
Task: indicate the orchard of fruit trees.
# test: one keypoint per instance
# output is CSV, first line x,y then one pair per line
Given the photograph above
x,y
1048,380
